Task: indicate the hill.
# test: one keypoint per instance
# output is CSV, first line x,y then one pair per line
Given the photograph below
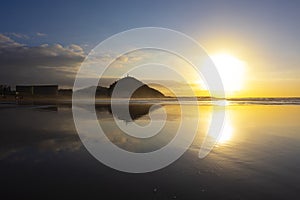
x,y
125,86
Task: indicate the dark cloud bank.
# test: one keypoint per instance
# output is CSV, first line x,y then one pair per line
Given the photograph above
x,y
44,64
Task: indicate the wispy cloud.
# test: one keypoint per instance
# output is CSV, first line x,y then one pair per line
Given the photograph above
x,y
41,34
6,42
19,35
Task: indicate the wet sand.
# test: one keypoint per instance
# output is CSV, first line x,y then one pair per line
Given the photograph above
x,y
258,157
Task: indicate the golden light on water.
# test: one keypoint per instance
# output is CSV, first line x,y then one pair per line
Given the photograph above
x,y
232,72
226,133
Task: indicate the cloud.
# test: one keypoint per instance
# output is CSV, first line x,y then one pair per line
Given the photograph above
x,y
19,35
6,42
76,48
46,63
123,59
41,34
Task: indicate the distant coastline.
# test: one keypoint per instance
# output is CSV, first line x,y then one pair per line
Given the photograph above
x,y
51,94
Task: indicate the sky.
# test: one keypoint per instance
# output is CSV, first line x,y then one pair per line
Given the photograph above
x,y
46,41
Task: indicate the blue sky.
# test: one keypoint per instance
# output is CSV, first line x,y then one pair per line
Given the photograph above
x,y
263,33
92,21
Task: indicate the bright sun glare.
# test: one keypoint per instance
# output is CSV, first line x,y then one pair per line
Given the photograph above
x,y
231,70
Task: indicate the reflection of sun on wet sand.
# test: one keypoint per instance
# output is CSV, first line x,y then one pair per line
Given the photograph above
x,y
226,132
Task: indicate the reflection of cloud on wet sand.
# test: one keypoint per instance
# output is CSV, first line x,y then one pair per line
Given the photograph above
x,y
52,132
41,131
140,116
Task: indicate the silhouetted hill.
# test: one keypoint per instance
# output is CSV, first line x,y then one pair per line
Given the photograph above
x,y
125,86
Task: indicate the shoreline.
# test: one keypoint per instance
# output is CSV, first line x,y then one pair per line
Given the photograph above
x,y
67,100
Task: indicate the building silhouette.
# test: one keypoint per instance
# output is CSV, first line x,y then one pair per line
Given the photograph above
x,y
40,90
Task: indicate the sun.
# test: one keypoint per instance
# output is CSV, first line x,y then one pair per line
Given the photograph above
x,y
231,70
